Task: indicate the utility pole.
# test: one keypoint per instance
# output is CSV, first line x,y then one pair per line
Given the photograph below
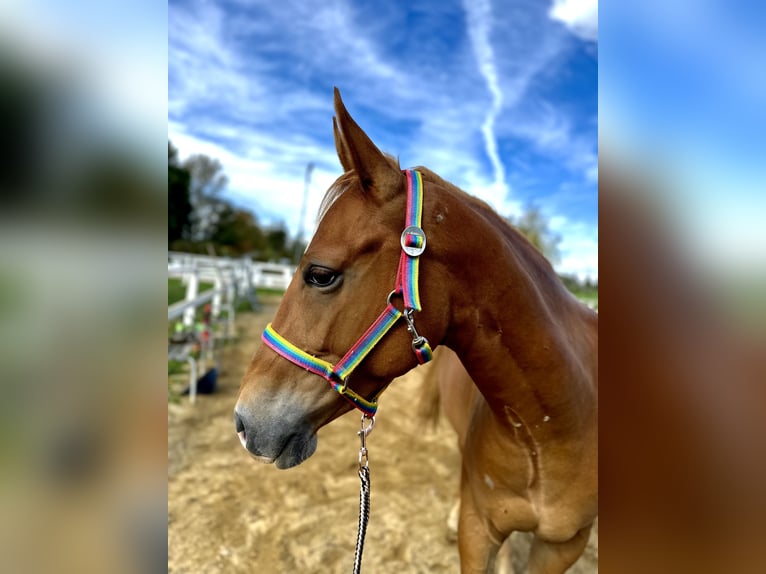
x,y
302,219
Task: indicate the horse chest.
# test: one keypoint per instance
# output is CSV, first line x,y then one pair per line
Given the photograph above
x,y
498,458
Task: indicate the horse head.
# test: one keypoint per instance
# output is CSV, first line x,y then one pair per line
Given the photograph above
x,y
342,284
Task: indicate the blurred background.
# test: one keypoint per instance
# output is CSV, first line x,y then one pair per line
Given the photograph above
x,y
683,309
83,97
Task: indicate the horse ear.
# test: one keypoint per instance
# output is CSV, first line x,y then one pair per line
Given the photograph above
x,y
376,173
340,146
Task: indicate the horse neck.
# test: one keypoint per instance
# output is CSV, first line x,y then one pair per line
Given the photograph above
x,y
528,344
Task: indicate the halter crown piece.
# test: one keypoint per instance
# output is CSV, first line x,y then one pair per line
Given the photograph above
x,y
413,243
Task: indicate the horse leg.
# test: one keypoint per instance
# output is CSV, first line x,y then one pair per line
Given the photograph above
x,y
556,557
477,550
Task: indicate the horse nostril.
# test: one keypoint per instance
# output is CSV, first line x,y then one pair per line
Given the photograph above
x,y
240,426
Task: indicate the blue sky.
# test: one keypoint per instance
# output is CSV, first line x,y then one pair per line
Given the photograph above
x,y
501,98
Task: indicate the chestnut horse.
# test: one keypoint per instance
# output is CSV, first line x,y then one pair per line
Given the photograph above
x,y
481,289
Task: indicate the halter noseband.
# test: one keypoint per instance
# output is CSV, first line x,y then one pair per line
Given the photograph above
x,y
413,243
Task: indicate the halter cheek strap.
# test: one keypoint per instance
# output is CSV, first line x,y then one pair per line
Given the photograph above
x,y
413,243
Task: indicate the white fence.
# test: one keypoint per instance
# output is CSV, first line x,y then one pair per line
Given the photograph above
x,y
233,279
272,275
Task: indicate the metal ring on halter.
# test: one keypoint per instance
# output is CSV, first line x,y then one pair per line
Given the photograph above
x,y
342,389
413,250
419,342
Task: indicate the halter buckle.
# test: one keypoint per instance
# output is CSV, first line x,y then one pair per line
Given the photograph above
x,y
413,241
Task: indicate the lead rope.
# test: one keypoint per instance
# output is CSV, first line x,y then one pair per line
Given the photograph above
x,y
364,492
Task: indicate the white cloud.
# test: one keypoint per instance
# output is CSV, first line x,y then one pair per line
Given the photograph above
x,y
580,16
551,131
479,16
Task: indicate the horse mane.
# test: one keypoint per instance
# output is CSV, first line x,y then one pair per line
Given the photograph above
x,y
342,184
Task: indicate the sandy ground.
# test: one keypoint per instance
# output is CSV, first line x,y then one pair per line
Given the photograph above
x,y
228,513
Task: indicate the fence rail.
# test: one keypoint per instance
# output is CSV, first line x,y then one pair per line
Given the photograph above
x,y
178,308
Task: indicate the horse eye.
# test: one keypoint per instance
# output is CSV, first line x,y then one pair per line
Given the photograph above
x,y
320,276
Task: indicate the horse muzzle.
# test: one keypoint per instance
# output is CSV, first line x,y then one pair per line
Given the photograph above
x,y
279,438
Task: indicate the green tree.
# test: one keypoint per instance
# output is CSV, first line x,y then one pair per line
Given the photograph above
x,y
207,180
536,228
199,217
179,206
277,242
237,233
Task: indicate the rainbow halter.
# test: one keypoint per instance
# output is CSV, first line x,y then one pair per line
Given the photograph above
x,y
413,243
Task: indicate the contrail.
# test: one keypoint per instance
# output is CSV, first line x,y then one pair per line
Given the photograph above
x,y
479,16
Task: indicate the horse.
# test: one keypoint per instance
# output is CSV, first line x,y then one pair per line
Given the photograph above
x,y
462,278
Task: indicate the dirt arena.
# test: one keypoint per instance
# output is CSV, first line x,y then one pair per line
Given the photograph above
x,y
230,514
